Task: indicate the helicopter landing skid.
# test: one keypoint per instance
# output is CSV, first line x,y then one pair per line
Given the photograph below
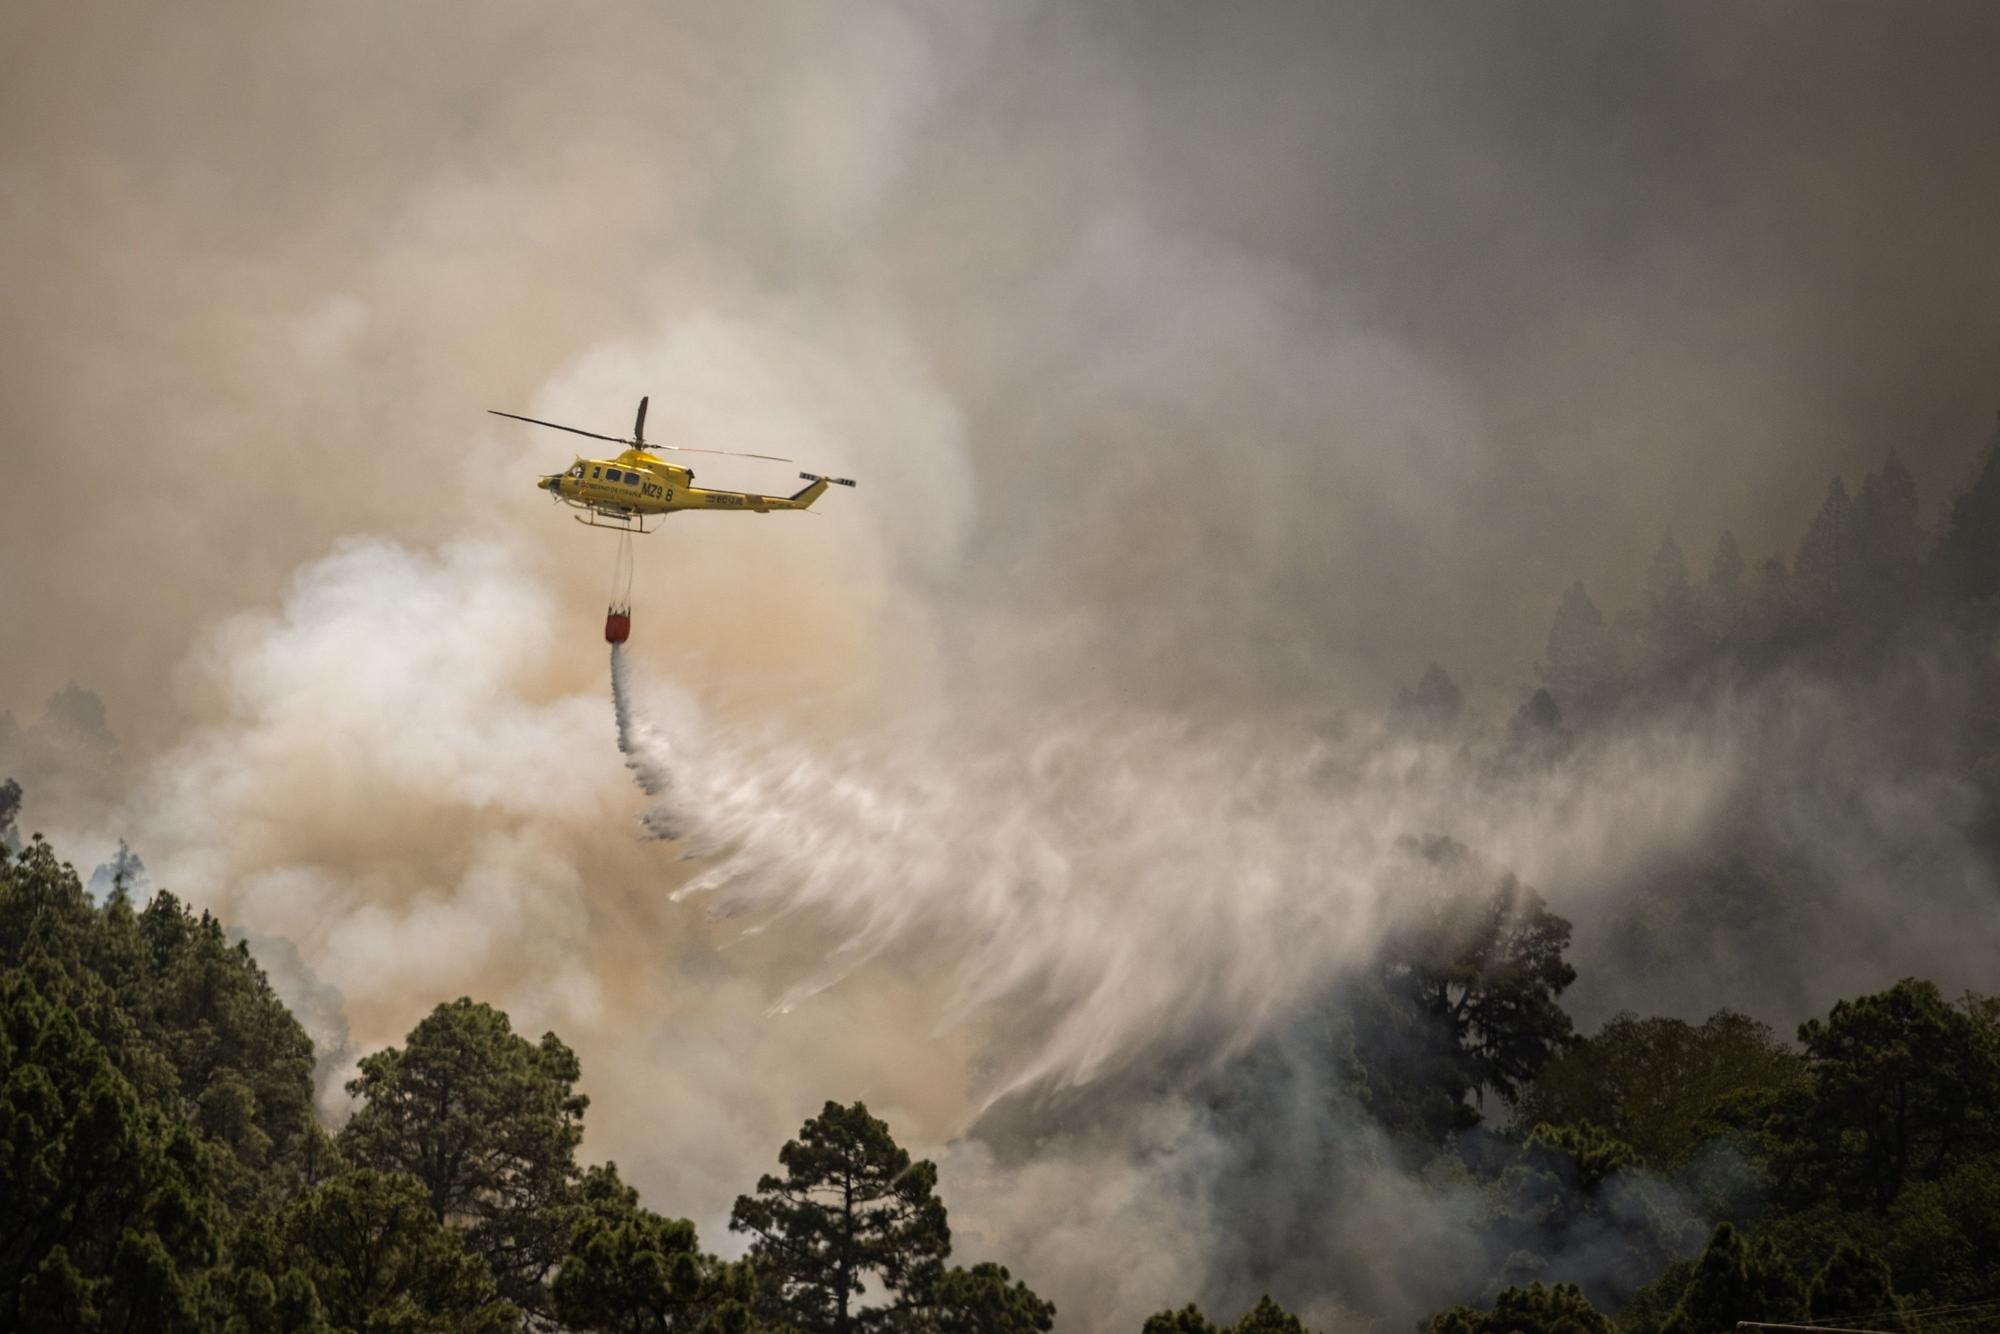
x,y
624,523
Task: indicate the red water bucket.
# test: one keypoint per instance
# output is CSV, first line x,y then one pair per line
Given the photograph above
x,y
617,627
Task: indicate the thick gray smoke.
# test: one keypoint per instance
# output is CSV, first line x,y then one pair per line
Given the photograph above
x,y
1207,371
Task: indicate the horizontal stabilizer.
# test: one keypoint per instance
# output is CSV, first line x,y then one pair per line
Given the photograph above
x,y
837,481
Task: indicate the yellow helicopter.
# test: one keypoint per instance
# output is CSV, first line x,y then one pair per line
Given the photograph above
x,y
624,492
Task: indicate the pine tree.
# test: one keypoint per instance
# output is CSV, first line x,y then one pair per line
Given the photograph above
x,y
488,1123
984,1299
631,1271
1266,1317
1903,1089
1562,1309
377,1258
1969,547
1486,970
10,807
1734,1280
1539,720
243,1066
1577,661
1672,636
1853,1288
109,1214
1188,1320
851,1207
1724,597
1888,531
1435,704
1826,569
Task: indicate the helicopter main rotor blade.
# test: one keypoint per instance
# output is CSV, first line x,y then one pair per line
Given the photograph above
x,y
732,453
639,425
537,421
639,443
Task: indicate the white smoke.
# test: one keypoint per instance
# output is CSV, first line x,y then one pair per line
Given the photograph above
x,y
1169,345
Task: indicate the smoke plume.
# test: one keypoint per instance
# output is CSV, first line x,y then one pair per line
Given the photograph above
x,y
1205,373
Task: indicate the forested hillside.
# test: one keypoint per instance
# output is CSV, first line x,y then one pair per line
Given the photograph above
x,y
161,1168
1670,1172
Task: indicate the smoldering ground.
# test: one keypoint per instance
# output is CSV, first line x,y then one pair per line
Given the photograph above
x,y
1205,376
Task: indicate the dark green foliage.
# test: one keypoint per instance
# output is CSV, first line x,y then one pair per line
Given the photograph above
x,y
1561,1309
1463,1001
1401,1066
263,1291
378,1260
1652,1083
631,1271
10,806
1485,968
1946,1238
156,1106
1853,1288
1653,1305
1490,972
1903,1088
487,1123
851,1207
1573,1190
1266,1317
1734,1280
243,1064
186,1016
984,1299
1590,1155
109,1214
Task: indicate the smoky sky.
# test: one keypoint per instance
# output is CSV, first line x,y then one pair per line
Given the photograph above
x,y
1206,369
1338,334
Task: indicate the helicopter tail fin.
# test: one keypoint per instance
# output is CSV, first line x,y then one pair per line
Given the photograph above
x,y
815,488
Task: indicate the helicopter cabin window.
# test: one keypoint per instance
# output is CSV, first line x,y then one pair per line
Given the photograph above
x,y
577,472
595,471
611,474
631,479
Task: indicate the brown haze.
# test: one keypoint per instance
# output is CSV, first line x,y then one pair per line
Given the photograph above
x,y
1207,370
